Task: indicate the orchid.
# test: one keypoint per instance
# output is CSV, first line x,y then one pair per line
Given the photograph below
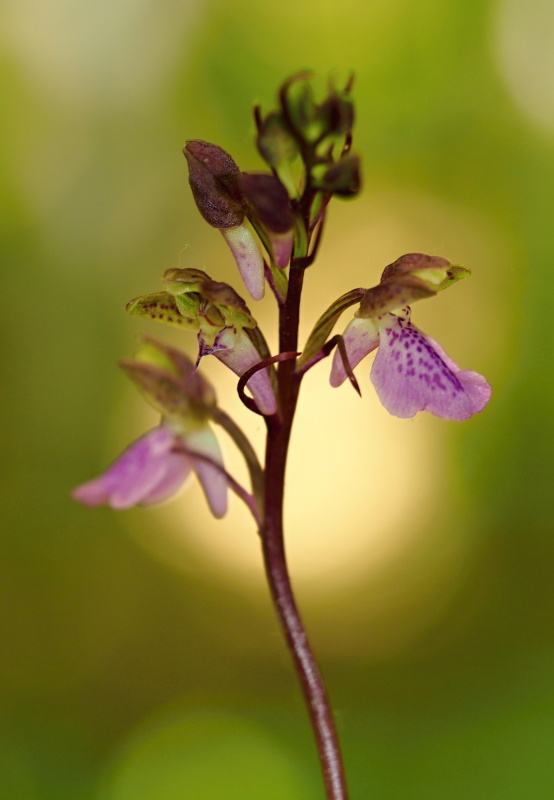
x,y
411,371
225,328
283,213
154,468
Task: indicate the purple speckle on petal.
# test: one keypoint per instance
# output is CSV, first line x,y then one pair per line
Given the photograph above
x,y
420,376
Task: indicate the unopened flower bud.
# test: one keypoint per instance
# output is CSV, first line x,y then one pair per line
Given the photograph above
x,y
213,179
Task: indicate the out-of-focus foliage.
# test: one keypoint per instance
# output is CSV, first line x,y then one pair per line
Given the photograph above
x,y
140,662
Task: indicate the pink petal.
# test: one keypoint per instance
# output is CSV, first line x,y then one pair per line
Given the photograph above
x,y
178,469
133,476
412,373
241,356
214,483
361,336
247,252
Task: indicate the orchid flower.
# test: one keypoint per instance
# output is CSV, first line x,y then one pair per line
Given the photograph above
x,y
154,468
225,328
411,371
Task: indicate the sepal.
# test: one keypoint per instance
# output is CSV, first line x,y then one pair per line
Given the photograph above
x,y
248,256
163,307
170,382
269,204
215,301
411,277
213,480
213,179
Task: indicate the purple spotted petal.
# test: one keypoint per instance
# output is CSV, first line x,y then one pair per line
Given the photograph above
x,y
213,481
248,255
361,336
136,476
412,373
240,356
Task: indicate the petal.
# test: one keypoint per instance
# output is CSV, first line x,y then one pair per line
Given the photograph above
x,y
412,373
133,476
361,336
177,470
213,481
248,255
240,357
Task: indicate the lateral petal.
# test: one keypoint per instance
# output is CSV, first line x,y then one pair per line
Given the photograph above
x,y
213,481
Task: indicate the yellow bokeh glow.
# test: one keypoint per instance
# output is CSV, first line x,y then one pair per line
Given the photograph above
x,y
360,483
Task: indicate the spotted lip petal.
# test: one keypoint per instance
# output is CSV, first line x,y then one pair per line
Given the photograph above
x,y
412,373
361,336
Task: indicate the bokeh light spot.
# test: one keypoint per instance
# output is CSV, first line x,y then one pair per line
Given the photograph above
x,y
205,755
524,51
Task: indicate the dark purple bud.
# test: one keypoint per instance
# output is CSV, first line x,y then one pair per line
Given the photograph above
x,y
343,178
269,201
213,177
336,114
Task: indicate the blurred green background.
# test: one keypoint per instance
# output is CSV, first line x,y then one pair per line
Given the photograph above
x,y
140,656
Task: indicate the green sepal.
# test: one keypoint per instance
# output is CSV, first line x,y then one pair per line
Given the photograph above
x,y
454,274
411,277
178,365
230,305
162,306
393,293
169,382
325,324
431,269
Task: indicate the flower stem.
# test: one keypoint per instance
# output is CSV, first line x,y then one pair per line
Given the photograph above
x,y
278,437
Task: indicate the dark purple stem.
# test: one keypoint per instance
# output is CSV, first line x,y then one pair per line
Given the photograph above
x,y
278,436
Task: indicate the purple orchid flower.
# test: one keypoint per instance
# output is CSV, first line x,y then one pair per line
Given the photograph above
x,y
155,467
411,371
